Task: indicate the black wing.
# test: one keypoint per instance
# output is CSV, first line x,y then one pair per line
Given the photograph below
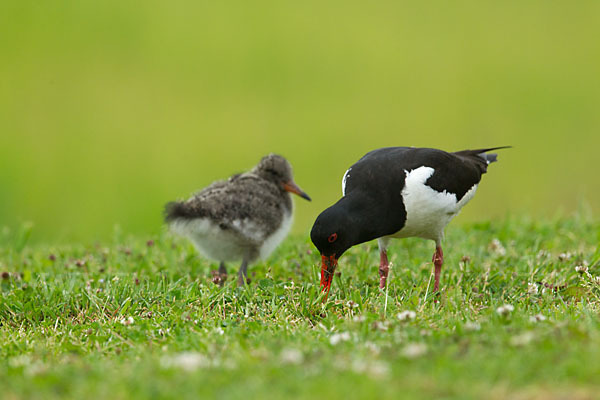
x,y
383,171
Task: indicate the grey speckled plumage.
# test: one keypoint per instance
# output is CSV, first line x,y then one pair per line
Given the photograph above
x,y
244,217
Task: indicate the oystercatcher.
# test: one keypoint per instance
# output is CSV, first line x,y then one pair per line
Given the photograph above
x,y
242,218
398,192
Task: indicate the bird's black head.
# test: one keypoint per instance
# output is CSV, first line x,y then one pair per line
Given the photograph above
x,y
332,234
278,170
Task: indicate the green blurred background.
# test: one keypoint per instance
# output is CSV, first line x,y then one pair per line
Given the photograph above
x,y
108,109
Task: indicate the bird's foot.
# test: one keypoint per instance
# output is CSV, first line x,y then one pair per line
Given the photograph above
x,y
436,295
384,269
243,281
218,277
243,274
383,274
438,261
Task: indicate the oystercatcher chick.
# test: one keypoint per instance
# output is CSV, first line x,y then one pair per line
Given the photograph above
x,y
398,192
243,218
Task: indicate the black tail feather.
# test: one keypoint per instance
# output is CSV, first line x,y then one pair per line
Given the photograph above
x,y
480,151
490,158
481,157
175,210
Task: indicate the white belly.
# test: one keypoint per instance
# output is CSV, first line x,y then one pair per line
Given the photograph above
x,y
247,240
276,237
428,211
212,241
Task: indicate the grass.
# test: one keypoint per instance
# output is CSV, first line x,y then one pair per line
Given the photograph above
x,y
138,317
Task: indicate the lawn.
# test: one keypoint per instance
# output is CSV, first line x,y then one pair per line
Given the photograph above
x,y
139,317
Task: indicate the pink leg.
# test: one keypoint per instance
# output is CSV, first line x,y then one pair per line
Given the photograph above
x,y
384,267
438,261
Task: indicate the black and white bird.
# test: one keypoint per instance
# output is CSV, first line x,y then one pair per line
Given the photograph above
x,y
243,218
398,192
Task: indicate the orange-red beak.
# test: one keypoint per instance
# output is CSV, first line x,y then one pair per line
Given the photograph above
x,y
293,188
328,264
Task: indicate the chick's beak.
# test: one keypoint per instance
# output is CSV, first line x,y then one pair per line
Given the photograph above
x,y
293,188
328,264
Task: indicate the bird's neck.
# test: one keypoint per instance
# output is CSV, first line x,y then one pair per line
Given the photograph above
x,y
368,218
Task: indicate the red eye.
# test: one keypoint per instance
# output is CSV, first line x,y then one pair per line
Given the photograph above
x,y
332,238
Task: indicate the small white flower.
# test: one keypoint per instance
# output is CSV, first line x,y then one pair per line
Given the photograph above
x,y
359,365
414,350
352,304
532,289
372,347
381,326
406,315
582,269
542,254
22,360
565,256
505,309
260,353
472,326
36,368
127,321
522,339
496,247
339,337
115,279
291,356
537,318
219,331
376,369
359,318
187,361
163,332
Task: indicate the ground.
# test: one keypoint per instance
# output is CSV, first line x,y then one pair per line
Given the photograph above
x,y
139,317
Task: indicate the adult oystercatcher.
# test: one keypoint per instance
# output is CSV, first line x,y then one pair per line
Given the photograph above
x,y
398,192
242,218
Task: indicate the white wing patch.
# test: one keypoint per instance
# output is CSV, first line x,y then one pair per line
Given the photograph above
x,y
427,210
344,179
